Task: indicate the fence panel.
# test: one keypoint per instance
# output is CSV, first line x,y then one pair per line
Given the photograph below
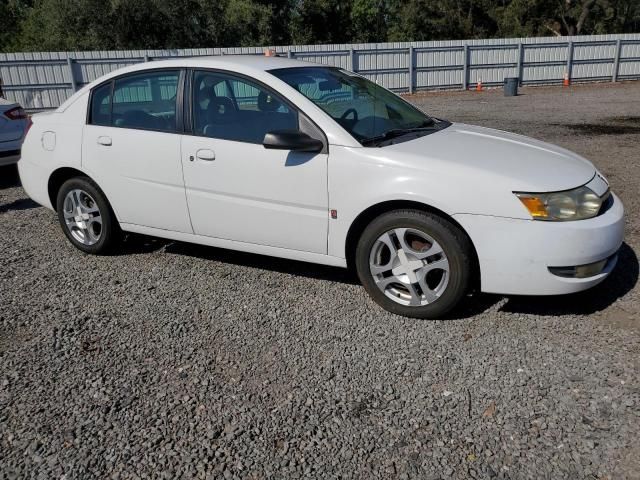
x,y
44,80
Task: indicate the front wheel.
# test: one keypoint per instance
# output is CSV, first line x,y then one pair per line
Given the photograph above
x,y
86,217
414,263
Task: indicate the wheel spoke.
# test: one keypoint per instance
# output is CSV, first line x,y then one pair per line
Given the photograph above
x,y
429,295
416,299
68,216
93,210
388,241
96,219
393,253
75,199
441,264
435,249
400,235
385,282
380,269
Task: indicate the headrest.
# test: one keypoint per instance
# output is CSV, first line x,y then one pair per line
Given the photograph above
x,y
221,105
267,102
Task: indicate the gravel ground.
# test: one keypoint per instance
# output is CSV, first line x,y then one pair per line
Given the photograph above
x,y
177,361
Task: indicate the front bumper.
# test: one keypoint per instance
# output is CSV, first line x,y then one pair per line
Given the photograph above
x,y
515,255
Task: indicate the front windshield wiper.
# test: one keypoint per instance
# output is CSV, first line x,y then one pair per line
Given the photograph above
x,y
394,133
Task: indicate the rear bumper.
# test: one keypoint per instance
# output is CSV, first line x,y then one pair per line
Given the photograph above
x,y
8,157
516,255
34,181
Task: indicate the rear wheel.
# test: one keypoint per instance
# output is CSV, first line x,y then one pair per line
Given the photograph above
x,y
414,263
86,217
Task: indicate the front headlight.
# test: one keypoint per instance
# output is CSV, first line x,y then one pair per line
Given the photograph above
x,y
576,204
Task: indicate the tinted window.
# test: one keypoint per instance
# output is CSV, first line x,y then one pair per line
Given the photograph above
x,y
101,105
233,108
145,101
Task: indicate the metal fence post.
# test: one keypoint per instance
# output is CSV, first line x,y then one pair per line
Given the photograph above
x,y
146,58
570,59
616,62
72,77
465,68
520,63
354,60
411,69
289,54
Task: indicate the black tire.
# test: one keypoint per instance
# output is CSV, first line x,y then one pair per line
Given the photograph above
x,y
455,245
109,233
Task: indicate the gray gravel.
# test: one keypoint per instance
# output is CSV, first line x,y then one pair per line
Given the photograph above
x,y
177,361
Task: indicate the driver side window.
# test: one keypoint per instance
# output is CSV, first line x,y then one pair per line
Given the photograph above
x,y
234,108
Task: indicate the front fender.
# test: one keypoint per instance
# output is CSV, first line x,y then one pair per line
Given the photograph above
x,y
360,178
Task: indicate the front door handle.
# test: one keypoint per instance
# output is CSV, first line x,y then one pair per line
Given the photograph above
x,y
206,154
106,141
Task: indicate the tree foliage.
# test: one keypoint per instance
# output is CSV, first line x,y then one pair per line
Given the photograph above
x,y
45,25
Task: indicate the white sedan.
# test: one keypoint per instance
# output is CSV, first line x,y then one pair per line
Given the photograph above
x,y
13,125
315,163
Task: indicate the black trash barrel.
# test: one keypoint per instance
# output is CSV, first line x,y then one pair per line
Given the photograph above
x,y
511,86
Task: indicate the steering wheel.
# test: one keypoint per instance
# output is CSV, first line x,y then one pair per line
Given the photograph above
x,y
348,112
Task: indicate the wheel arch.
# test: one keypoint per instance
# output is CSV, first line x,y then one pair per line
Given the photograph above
x,y
57,178
61,175
367,216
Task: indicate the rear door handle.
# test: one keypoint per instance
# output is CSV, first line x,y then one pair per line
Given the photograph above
x,y
106,141
206,154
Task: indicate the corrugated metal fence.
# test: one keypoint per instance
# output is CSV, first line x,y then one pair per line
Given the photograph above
x,y
44,80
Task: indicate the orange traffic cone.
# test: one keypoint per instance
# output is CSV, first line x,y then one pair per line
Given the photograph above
x,y
566,82
479,85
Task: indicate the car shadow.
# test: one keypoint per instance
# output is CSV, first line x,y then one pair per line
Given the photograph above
x,y
20,204
622,280
137,244
9,177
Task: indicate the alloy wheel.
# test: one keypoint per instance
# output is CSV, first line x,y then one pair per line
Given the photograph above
x,y
82,217
409,267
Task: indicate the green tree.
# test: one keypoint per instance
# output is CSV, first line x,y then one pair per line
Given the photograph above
x,y
429,20
321,21
12,13
247,23
41,25
369,20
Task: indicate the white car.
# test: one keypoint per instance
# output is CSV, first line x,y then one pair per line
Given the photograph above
x,y
14,123
315,163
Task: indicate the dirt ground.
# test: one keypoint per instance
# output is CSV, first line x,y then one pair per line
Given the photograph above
x,y
170,360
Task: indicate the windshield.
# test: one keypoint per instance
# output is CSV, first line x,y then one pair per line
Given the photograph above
x,y
366,110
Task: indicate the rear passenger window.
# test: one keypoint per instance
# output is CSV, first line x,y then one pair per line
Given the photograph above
x,y
145,101
101,105
232,108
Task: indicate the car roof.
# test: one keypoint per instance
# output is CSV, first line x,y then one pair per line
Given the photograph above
x,y
253,65
240,62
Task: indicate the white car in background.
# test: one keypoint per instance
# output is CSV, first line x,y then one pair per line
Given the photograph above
x,y
14,123
316,163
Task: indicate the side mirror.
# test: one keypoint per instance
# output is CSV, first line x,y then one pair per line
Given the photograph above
x,y
294,140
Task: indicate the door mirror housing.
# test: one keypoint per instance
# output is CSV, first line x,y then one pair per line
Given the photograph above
x,y
294,140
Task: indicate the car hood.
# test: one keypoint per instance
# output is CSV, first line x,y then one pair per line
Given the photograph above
x,y
522,163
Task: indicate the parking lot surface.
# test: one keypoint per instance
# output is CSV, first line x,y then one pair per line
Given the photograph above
x,y
171,360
